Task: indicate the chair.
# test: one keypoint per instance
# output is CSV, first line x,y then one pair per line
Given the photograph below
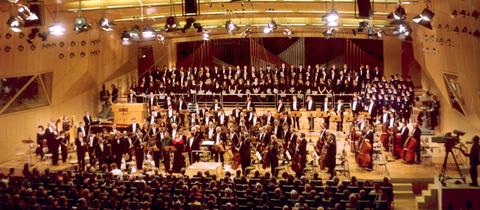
x,y
343,169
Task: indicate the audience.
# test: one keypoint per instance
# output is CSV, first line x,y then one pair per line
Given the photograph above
x,y
151,190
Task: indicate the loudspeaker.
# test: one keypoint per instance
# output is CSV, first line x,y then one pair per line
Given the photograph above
x,y
364,8
191,7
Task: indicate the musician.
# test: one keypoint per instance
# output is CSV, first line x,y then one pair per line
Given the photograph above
x,y
310,106
280,106
64,141
222,118
264,136
88,121
339,111
216,106
81,145
273,150
154,116
101,151
252,119
435,112
66,126
295,107
331,155
385,118
114,93
166,141
81,128
244,150
277,129
219,139
404,132
134,126
301,150
249,106
369,136
51,137
92,142
193,144
41,138
178,159
269,118
117,149
356,104
474,156
138,147
416,134
168,103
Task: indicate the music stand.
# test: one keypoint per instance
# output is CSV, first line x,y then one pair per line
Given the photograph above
x,y
169,149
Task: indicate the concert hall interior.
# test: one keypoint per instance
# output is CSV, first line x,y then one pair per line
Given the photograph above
x,y
234,104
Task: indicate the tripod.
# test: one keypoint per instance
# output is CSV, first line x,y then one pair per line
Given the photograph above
x,y
443,175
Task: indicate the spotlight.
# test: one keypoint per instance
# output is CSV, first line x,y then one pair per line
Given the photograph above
x,y
246,33
148,32
81,24
231,27
56,29
26,14
105,24
287,32
399,14
126,36
402,30
271,26
329,32
370,32
332,18
425,18
171,24
135,32
198,26
188,24
15,24
161,38
206,35
362,25
380,34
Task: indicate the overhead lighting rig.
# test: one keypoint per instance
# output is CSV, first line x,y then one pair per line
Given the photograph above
x,y
270,27
425,18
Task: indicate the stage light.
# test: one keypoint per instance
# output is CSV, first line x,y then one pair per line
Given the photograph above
x,y
231,27
402,30
171,24
25,13
271,26
246,33
161,38
332,18
126,36
399,14
81,24
425,18
13,1
105,24
148,32
198,26
56,29
15,24
380,33
287,32
135,32
362,25
329,32
206,35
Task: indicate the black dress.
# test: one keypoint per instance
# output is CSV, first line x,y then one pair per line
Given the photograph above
x,y
178,159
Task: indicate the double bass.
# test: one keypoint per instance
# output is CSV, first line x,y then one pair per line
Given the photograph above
x,y
408,152
384,137
397,145
363,157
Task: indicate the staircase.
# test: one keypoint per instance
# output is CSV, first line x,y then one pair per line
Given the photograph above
x,y
429,197
403,190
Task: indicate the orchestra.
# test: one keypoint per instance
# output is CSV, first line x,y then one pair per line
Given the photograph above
x,y
176,136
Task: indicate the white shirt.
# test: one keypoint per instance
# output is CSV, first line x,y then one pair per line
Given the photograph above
x,y
134,127
310,103
354,105
294,105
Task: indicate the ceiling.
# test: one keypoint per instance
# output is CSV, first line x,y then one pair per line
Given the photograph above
x,y
213,14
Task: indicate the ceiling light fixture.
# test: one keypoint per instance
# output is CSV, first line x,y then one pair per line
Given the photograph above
x,y
246,33
402,30
271,26
287,32
105,24
161,38
329,32
56,29
206,35
148,32
331,18
26,14
231,27
15,24
81,24
398,14
425,18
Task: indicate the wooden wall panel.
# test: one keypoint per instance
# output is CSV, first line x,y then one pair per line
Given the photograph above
x,y
76,81
460,59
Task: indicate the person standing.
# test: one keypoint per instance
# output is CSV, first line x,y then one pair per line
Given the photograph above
x,y
474,156
416,134
244,150
40,140
331,155
81,150
178,159
273,151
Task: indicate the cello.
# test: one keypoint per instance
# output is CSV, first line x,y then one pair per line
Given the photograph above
x,y
384,137
408,152
397,145
363,157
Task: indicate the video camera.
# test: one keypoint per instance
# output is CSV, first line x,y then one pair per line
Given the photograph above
x,y
452,141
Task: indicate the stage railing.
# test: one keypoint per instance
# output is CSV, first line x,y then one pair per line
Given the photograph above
x,y
260,99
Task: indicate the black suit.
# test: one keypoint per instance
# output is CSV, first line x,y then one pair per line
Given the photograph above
x,y
137,127
192,145
416,134
311,120
331,158
87,121
245,158
280,108
117,151
273,157
296,120
81,150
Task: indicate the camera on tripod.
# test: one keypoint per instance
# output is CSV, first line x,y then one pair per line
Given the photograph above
x,y
452,141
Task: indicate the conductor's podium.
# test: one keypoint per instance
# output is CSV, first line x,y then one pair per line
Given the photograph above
x,y
124,112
